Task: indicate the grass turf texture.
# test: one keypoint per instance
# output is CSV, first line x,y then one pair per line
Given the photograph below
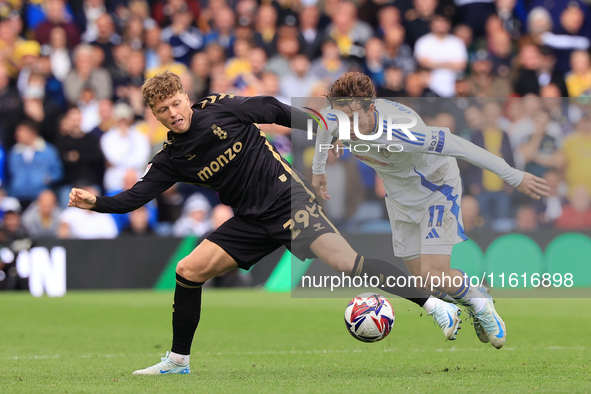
x,y
251,341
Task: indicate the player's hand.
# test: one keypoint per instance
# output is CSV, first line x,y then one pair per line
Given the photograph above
x,y
335,149
533,186
319,184
82,199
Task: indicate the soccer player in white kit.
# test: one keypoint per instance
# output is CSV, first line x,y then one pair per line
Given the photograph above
x,y
423,189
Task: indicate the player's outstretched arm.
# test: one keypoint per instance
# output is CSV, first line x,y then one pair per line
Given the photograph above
x,y
533,186
82,199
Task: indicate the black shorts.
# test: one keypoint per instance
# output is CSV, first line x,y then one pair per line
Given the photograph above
x,y
296,224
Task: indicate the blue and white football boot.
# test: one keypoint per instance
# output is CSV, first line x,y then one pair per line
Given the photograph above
x,y
165,367
488,324
480,333
447,316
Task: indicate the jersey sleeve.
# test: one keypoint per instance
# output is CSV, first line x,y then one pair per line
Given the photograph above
x,y
156,180
440,141
324,139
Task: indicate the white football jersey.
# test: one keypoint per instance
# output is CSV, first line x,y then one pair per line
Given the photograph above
x,y
412,170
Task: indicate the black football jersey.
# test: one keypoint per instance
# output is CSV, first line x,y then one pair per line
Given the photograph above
x,y
224,150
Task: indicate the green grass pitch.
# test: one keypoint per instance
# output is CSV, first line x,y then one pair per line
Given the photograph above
x,y
254,342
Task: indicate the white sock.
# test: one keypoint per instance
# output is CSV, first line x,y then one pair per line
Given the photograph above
x,y
179,358
476,298
431,304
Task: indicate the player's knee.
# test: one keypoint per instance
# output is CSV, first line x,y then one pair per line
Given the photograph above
x,y
197,271
341,262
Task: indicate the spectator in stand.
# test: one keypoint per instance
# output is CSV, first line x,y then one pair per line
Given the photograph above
x,y
85,74
500,53
490,190
184,38
270,87
474,13
526,80
163,10
107,39
329,67
578,160
397,52
571,32
41,219
105,112
138,223
550,208
265,35
547,73
167,62
577,214
373,64
77,223
151,44
200,71
12,229
299,81
11,108
564,113
195,217
58,52
539,22
130,86
33,164
506,13
541,151
124,148
26,57
216,56
471,214
86,19
81,156
57,16
239,64
349,33
8,203
222,32
417,20
311,38
118,70
578,80
134,33
37,108
388,17
482,81
170,206
443,54
89,107
526,219
287,48
393,83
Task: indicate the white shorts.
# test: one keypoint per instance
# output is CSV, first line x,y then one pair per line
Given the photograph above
x,y
433,227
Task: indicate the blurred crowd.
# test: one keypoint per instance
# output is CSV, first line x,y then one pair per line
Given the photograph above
x,y
72,113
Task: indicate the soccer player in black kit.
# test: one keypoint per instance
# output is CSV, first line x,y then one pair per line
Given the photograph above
x,y
216,143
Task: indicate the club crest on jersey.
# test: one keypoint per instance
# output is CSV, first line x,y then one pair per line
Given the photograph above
x,y
384,152
219,132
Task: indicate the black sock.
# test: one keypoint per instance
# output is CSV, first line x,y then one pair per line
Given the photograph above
x,y
186,312
382,269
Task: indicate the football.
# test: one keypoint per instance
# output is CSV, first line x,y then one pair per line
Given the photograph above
x,y
369,317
